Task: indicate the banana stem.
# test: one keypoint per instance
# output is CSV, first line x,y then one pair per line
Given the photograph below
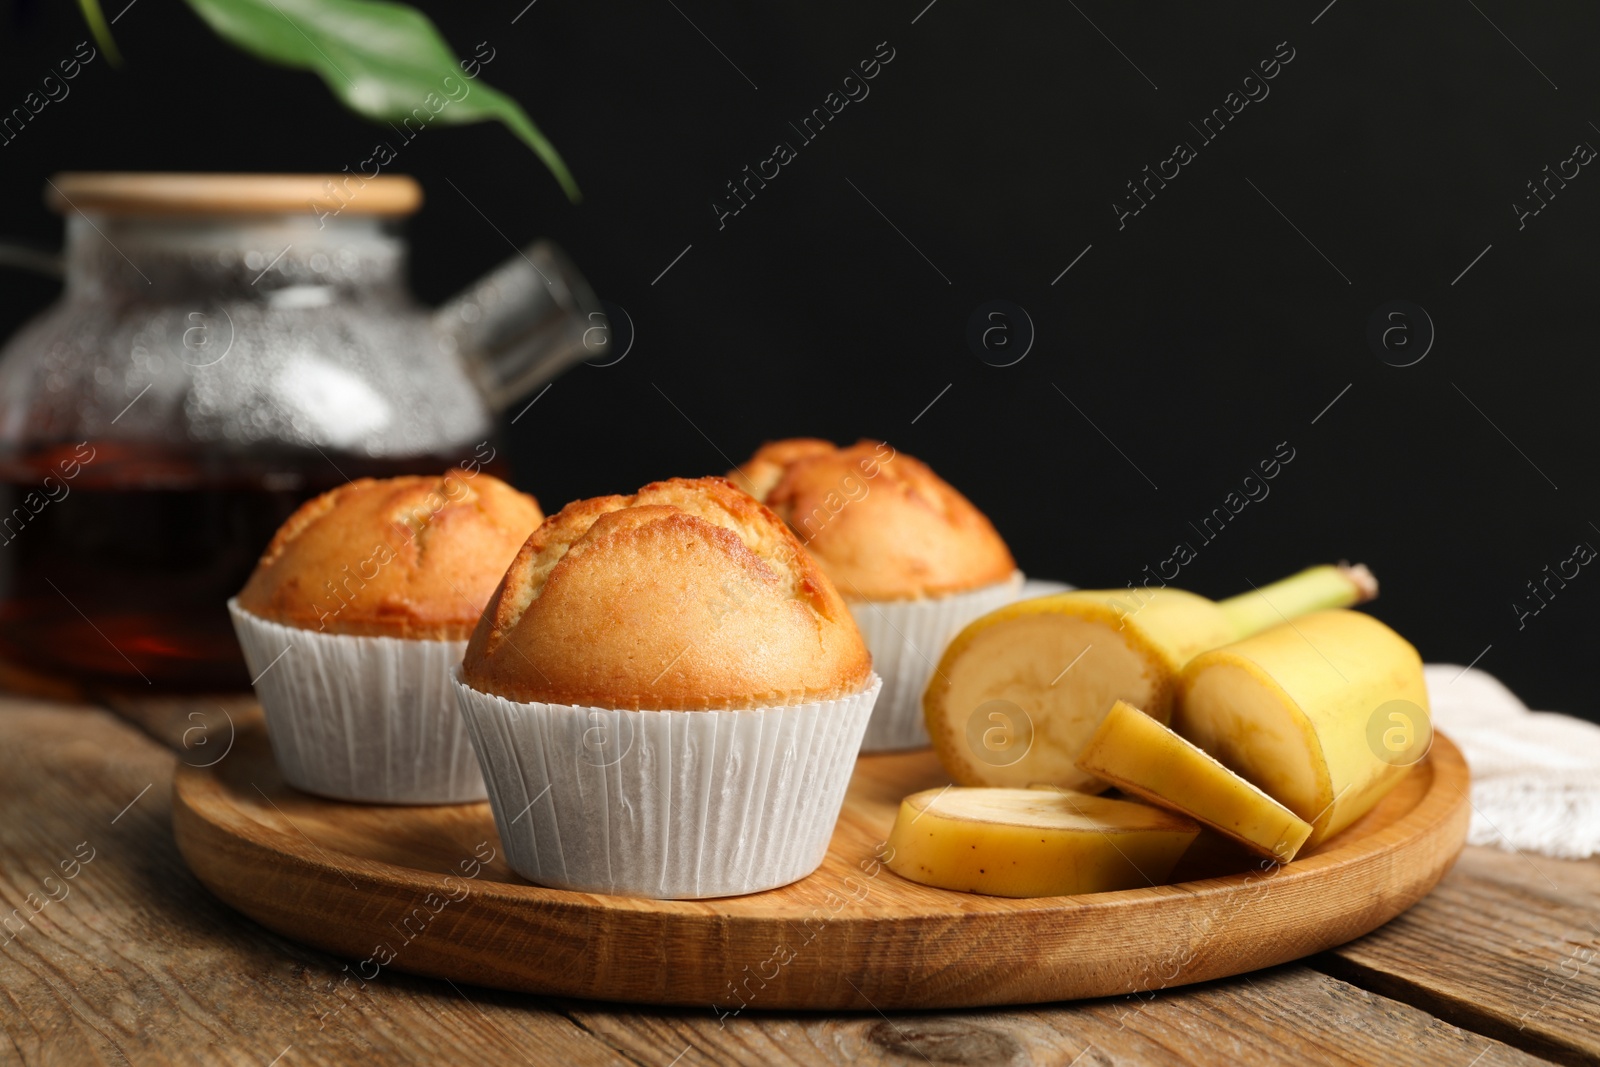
x,y
1314,589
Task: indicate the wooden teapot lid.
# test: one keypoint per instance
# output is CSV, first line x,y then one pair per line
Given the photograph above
x,y
126,193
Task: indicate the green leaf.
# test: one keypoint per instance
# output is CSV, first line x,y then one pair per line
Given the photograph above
x,y
102,32
383,60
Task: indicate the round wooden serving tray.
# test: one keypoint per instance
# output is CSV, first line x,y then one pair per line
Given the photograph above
x,y
410,888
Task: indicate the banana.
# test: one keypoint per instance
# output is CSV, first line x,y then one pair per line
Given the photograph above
x,y
1324,714
1034,842
1140,756
1019,691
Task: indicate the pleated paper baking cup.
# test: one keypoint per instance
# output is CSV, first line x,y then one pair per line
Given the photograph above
x,y
906,639
361,718
1032,587
665,804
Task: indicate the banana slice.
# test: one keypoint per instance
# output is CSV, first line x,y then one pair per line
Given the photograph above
x,y
1019,691
1325,715
1140,756
1034,842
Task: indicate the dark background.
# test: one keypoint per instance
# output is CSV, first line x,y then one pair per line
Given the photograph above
x,y
1196,338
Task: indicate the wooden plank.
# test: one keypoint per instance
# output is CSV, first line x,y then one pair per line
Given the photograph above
x,y
1285,1015
1508,945
199,725
115,954
136,963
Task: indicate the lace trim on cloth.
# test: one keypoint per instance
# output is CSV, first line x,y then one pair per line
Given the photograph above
x,y
1535,774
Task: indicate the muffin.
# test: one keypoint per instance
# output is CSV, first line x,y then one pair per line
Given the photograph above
x,y
354,619
666,696
912,557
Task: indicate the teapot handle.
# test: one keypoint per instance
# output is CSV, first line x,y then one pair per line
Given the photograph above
x,y
522,324
25,257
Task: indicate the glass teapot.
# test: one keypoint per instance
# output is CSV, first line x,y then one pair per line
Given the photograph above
x,y
226,347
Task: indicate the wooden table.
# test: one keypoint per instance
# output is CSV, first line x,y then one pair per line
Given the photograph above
x,y
130,960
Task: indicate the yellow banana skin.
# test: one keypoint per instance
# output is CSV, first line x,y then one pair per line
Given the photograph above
x,y
1019,692
1325,714
1034,842
1140,756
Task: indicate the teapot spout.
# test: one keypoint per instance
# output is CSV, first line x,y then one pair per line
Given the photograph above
x,y
522,324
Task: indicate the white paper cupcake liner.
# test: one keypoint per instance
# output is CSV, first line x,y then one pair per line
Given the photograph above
x,y
1032,587
361,718
665,804
906,639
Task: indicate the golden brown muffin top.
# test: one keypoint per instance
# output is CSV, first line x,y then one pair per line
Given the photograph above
x,y
882,525
414,557
688,595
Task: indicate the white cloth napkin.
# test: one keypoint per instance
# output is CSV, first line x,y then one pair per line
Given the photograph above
x,y
1535,774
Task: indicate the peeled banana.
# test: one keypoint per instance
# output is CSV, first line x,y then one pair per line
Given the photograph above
x,y
1019,691
1324,715
1034,842
1140,756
